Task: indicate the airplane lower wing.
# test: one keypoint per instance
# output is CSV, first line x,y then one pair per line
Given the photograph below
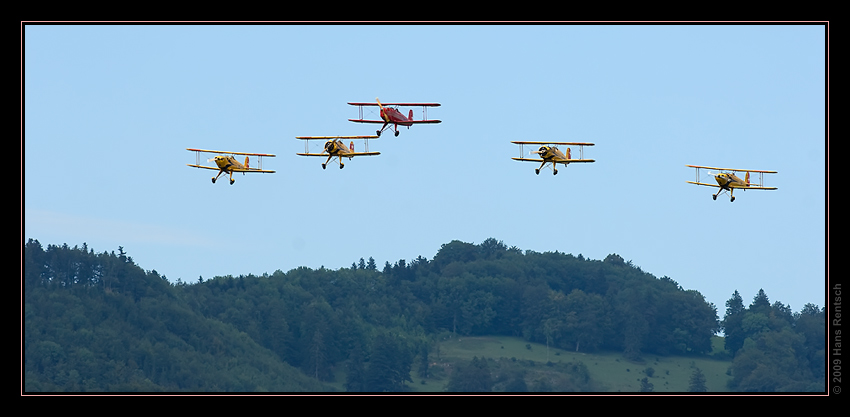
x,y
264,171
559,161
342,156
570,161
702,183
751,187
404,122
201,166
756,187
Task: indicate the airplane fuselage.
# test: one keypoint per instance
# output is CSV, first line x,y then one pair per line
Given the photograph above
x,y
337,148
227,163
552,154
391,115
729,180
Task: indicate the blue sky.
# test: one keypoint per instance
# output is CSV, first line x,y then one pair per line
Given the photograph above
x,y
109,111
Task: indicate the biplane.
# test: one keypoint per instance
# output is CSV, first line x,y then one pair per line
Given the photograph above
x,y
335,148
225,162
392,117
549,153
728,181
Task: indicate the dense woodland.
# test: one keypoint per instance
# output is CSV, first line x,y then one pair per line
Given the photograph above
x,y
98,322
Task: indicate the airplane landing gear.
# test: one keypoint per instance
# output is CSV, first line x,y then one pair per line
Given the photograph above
x,y
396,132
341,165
536,171
213,180
323,166
555,173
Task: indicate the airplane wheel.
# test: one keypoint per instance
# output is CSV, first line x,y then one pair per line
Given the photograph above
x,y
537,171
323,166
396,132
232,181
555,173
378,132
341,166
732,200
714,197
213,180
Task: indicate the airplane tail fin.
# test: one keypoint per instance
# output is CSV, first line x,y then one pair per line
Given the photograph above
x,y
410,115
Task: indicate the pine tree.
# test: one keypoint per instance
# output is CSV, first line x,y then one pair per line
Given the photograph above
x,y
645,385
697,383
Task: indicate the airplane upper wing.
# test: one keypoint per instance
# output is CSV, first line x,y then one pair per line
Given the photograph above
x,y
552,143
398,104
337,137
733,169
230,153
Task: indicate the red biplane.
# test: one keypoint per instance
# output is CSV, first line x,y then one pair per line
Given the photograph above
x,y
391,117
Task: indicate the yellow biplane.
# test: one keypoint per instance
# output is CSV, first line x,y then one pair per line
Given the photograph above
x,y
549,153
335,148
225,162
728,181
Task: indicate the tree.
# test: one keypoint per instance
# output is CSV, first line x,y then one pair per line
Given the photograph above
x,y
355,379
423,361
389,366
318,340
645,385
732,323
492,248
761,304
471,377
590,315
697,383
371,264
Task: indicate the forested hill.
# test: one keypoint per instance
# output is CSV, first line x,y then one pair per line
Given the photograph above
x,y
98,322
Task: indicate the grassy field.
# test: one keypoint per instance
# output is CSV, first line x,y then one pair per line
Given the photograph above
x,y
610,371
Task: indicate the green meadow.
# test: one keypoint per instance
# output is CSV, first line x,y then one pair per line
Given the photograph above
x,y
609,371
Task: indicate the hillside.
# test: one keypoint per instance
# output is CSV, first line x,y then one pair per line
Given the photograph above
x,y
98,322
